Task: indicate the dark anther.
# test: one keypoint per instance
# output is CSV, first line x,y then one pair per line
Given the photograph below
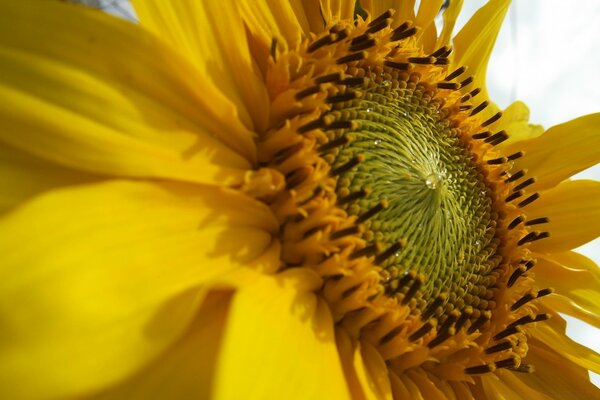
x,y
528,264
336,76
479,322
324,41
524,184
341,35
456,73
384,23
340,98
314,230
365,251
479,369
360,39
481,135
465,107
441,61
422,331
493,119
515,222
515,156
307,92
296,177
537,221
440,338
462,320
351,197
316,124
497,138
381,257
529,200
511,330
390,335
350,290
516,176
448,85
353,230
416,285
497,161
480,107
440,53
544,292
352,81
402,34
475,92
340,124
396,65
499,347
382,204
421,60
530,237
507,363
389,13
342,140
351,57
284,153
446,53
465,98
466,82
523,368
513,196
517,273
273,50
363,45
432,308
348,165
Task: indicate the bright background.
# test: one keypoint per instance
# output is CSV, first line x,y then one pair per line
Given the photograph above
x,y
547,55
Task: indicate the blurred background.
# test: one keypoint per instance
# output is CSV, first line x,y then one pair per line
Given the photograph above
x,y
547,55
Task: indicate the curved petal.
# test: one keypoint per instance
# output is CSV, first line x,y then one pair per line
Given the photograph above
x,y
573,208
450,16
576,281
92,92
474,43
21,177
98,280
279,342
515,121
185,370
211,35
556,377
561,151
372,372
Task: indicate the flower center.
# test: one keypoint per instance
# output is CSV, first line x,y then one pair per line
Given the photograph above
x,y
397,195
416,184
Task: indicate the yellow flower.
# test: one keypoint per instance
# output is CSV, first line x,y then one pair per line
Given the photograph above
x,y
275,200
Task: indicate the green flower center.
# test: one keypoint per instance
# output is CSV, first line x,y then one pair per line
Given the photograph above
x,y
413,182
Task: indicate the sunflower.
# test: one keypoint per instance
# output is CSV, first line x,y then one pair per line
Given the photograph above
x,y
264,199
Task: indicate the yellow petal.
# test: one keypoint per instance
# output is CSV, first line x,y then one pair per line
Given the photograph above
x,y
496,389
21,176
186,369
576,281
372,372
474,43
450,15
405,10
561,151
90,91
564,347
515,121
279,342
211,35
425,21
554,376
573,208
98,280
337,10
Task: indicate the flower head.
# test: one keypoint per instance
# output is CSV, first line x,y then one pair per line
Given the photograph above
x,y
283,200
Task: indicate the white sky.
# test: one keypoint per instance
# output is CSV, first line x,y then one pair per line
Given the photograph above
x,y
547,55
